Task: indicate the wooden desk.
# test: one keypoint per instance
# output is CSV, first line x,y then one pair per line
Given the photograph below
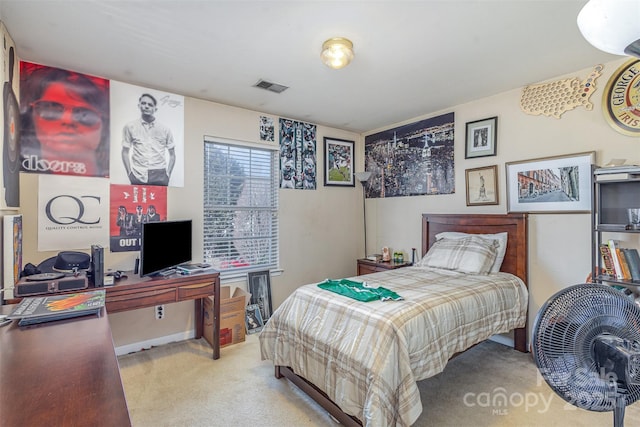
x,y
135,292
62,373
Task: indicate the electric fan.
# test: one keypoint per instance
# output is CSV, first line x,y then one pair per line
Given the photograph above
x,y
586,345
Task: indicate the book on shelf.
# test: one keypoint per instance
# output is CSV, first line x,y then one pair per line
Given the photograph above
x,y
607,261
626,275
49,308
633,260
613,246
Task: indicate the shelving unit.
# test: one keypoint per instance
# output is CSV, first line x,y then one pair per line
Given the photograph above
x,y
614,191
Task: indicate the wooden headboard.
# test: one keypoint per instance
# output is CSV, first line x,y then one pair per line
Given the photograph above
x,y
515,224
516,257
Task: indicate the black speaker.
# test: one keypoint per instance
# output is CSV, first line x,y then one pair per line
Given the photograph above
x,y
27,287
31,288
72,283
97,265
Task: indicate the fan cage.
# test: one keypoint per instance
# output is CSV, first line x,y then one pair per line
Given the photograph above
x,y
563,336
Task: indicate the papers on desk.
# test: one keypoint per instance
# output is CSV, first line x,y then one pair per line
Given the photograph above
x,y
193,268
49,308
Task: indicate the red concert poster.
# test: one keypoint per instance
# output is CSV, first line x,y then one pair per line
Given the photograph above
x,y
129,207
65,122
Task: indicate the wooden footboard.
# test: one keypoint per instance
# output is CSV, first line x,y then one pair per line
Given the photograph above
x,y
318,395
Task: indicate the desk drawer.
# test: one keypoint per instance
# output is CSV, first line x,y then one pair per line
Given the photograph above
x,y
199,290
366,269
128,301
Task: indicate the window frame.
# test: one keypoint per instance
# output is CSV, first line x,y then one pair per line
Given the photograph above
x,y
211,255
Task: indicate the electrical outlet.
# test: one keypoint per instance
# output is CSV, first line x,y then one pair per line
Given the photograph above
x,y
159,311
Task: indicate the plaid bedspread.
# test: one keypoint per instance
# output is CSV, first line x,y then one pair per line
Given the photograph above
x,y
367,356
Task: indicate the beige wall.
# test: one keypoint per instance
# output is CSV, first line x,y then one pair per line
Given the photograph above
x,y
559,244
321,231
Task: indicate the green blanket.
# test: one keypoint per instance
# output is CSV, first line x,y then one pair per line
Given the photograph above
x,y
358,290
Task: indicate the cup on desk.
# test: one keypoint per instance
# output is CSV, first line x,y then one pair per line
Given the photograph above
x,y
634,218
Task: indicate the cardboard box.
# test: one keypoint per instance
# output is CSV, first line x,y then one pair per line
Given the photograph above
x,y
232,316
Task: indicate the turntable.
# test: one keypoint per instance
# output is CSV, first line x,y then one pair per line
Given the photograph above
x,y
44,276
64,272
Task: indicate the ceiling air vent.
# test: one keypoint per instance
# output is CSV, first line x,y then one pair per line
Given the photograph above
x,y
272,87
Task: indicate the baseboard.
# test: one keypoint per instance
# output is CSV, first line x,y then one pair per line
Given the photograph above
x,y
501,339
145,345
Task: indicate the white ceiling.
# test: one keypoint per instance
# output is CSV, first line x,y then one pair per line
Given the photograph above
x,y
412,57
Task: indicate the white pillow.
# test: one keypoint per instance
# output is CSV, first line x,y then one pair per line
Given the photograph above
x,y
500,237
468,255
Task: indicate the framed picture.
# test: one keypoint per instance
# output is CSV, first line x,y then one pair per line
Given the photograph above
x,y
550,185
482,138
253,319
11,254
260,290
482,186
400,158
338,162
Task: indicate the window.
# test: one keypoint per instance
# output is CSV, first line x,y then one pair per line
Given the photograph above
x,y
240,208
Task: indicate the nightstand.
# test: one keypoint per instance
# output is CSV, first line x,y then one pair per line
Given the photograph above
x,y
366,266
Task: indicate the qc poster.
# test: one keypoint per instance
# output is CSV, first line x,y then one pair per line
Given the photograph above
x,y
72,213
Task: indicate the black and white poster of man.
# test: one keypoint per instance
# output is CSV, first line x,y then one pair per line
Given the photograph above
x,y
64,128
411,160
10,122
147,136
297,155
130,207
72,213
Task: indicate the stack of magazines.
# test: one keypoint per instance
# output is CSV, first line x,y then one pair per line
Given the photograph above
x,y
193,268
49,308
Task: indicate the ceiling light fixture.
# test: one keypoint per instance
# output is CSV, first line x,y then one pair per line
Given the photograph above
x,y
611,26
337,52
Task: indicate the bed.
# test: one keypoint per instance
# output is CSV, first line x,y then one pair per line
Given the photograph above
x,y
361,360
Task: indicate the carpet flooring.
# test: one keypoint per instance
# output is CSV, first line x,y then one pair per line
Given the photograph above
x,y
179,384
